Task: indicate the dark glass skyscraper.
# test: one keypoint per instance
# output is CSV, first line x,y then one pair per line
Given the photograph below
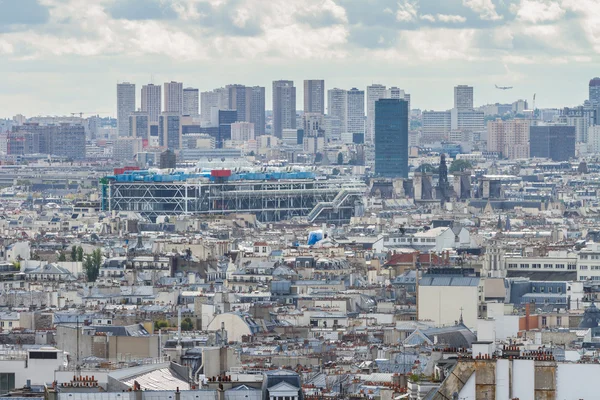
x,y
556,142
391,138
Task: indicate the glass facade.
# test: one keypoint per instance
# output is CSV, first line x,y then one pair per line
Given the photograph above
x,y
391,138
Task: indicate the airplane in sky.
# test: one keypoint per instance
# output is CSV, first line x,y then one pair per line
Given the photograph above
x,y
504,87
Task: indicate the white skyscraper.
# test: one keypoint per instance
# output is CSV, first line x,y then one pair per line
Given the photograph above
x,y
125,106
374,93
463,97
191,103
337,106
174,97
217,98
355,111
151,101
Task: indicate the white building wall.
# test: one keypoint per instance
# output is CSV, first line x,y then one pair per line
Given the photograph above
x,y
442,304
523,379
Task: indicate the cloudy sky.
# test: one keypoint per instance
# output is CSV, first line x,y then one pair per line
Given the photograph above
x,y
63,56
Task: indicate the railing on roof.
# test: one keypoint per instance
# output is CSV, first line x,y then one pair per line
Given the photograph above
x,y
7,355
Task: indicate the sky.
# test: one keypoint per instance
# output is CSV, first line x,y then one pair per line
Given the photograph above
x,y
64,56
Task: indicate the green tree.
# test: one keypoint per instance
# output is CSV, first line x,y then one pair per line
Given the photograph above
x,y
160,324
91,265
62,256
251,153
74,253
79,253
460,165
187,324
340,159
427,168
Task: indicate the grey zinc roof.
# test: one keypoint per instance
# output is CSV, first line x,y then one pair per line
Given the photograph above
x,y
449,281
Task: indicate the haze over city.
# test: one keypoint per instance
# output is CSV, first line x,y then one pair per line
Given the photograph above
x,y
63,56
299,199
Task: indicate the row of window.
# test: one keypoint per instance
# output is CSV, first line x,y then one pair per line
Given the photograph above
x,y
585,278
410,240
542,289
546,266
591,257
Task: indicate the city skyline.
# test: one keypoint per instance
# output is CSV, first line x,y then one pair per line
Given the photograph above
x,y
60,56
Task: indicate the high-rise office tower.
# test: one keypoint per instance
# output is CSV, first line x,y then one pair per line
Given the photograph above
x,y
374,93
337,106
191,103
511,138
255,111
139,125
237,100
151,101
125,106
463,97
169,130
173,97
314,96
556,142
594,88
217,98
356,111
284,106
391,138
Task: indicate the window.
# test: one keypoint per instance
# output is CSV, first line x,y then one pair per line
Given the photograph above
x,y
546,266
43,355
7,382
583,256
537,266
572,267
558,321
544,321
524,265
550,289
560,266
583,267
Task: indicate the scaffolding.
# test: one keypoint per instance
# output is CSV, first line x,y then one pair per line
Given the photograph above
x,y
332,201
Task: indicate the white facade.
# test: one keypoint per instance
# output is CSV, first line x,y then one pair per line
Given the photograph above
x,y
174,97
463,97
289,136
242,131
217,98
559,261
511,138
436,125
337,106
355,122
443,304
191,104
588,263
125,106
374,93
151,101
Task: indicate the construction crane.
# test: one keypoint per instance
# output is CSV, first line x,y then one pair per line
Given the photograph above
x,y
503,87
73,114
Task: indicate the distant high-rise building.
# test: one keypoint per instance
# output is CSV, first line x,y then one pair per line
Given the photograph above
x,y
151,101
314,133
511,138
314,96
125,148
337,106
168,159
355,114
436,125
556,142
191,104
237,100
463,97
374,93
139,125
173,97
594,88
225,118
125,106
391,138
284,107
217,98
242,131
255,112
169,130
581,117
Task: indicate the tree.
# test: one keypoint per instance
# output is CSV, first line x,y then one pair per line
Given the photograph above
x,y
340,159
79,253
427,168
251,153
74,253
62,256
187,324
160,325
460,165
91,265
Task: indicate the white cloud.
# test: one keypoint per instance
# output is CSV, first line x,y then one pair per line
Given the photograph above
x,y
428,17
451,18
535,11
485,9
407,11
